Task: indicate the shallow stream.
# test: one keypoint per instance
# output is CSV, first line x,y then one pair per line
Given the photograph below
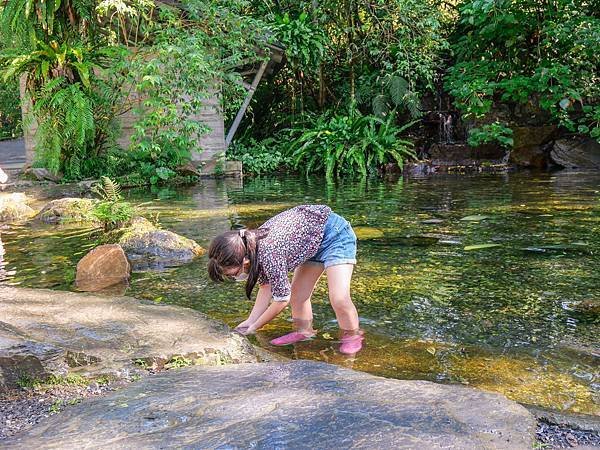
x,y
491,280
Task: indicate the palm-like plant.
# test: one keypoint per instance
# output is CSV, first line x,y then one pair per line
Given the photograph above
x,y
350,144
57,47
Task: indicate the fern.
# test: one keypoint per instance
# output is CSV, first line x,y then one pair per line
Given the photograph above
x,y
108,190
349,145
111,211
66,127
396,94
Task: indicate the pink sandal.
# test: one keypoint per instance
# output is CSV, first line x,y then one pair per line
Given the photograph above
x,y
351,344
291,338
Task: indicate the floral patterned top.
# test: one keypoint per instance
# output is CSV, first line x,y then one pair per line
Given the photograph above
x,y
294,237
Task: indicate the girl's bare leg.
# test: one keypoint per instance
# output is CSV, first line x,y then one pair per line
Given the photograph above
x,y
338,280
303,284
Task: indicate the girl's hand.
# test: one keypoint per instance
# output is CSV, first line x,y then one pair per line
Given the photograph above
x,y
247,330
245,324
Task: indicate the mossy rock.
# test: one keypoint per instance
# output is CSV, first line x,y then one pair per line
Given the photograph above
x,y
147,246
14,208
67,210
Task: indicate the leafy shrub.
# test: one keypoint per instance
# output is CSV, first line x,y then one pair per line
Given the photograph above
x,y
257,157
64,113
529,52
494,132
88,62
111,211
350,144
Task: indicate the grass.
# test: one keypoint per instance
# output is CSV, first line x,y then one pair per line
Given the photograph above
x,y
28,382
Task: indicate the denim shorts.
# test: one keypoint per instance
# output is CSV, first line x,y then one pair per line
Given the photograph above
x,y
338,245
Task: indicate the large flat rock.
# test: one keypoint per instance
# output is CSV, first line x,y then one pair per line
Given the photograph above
x,y
295,405
62,330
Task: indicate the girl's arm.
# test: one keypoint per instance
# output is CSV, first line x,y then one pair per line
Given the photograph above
x,y
260,305
270,313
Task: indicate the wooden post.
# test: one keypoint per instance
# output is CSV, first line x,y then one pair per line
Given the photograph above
x,y
244,107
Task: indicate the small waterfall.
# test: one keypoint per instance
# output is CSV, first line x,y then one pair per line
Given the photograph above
x,y
446,129
506,156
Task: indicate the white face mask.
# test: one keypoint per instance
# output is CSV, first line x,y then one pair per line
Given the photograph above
x,y
241,277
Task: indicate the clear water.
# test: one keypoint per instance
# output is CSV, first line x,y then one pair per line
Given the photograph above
x,y
520,318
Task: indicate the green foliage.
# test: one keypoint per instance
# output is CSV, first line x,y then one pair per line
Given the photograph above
x,y
259,157
305,42
396,93
111,211
58,47
87,62
10,110
493,132
56,406
347,53
65,118
350,144
542,54
71,379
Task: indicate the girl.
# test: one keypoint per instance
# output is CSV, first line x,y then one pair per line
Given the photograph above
x,y
308,240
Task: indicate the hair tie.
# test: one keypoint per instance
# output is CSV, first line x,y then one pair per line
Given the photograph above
x,y
242,233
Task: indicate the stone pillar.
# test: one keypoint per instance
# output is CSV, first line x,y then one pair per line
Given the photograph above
x,y
212,145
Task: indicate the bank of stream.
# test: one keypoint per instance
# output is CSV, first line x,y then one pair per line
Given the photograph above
x,y
490,280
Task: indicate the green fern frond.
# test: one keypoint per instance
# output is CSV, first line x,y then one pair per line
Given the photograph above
x,y
398,89
112,190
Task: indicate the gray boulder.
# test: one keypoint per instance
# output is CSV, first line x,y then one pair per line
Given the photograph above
x,y
295,405
14,208
22,358
530,146
576,153
147,246
46,331
42,174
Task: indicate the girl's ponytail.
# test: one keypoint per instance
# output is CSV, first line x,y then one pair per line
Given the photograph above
x,y
251,238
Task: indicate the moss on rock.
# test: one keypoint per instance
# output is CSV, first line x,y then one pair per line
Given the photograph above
x,y
67,210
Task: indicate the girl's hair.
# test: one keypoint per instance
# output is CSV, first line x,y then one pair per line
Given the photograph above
x,y
229,250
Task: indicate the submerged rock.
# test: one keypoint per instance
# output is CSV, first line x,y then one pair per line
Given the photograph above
x,y
67,210
102,267
365,233
14,208
147,246
51,331
300,404
589,306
